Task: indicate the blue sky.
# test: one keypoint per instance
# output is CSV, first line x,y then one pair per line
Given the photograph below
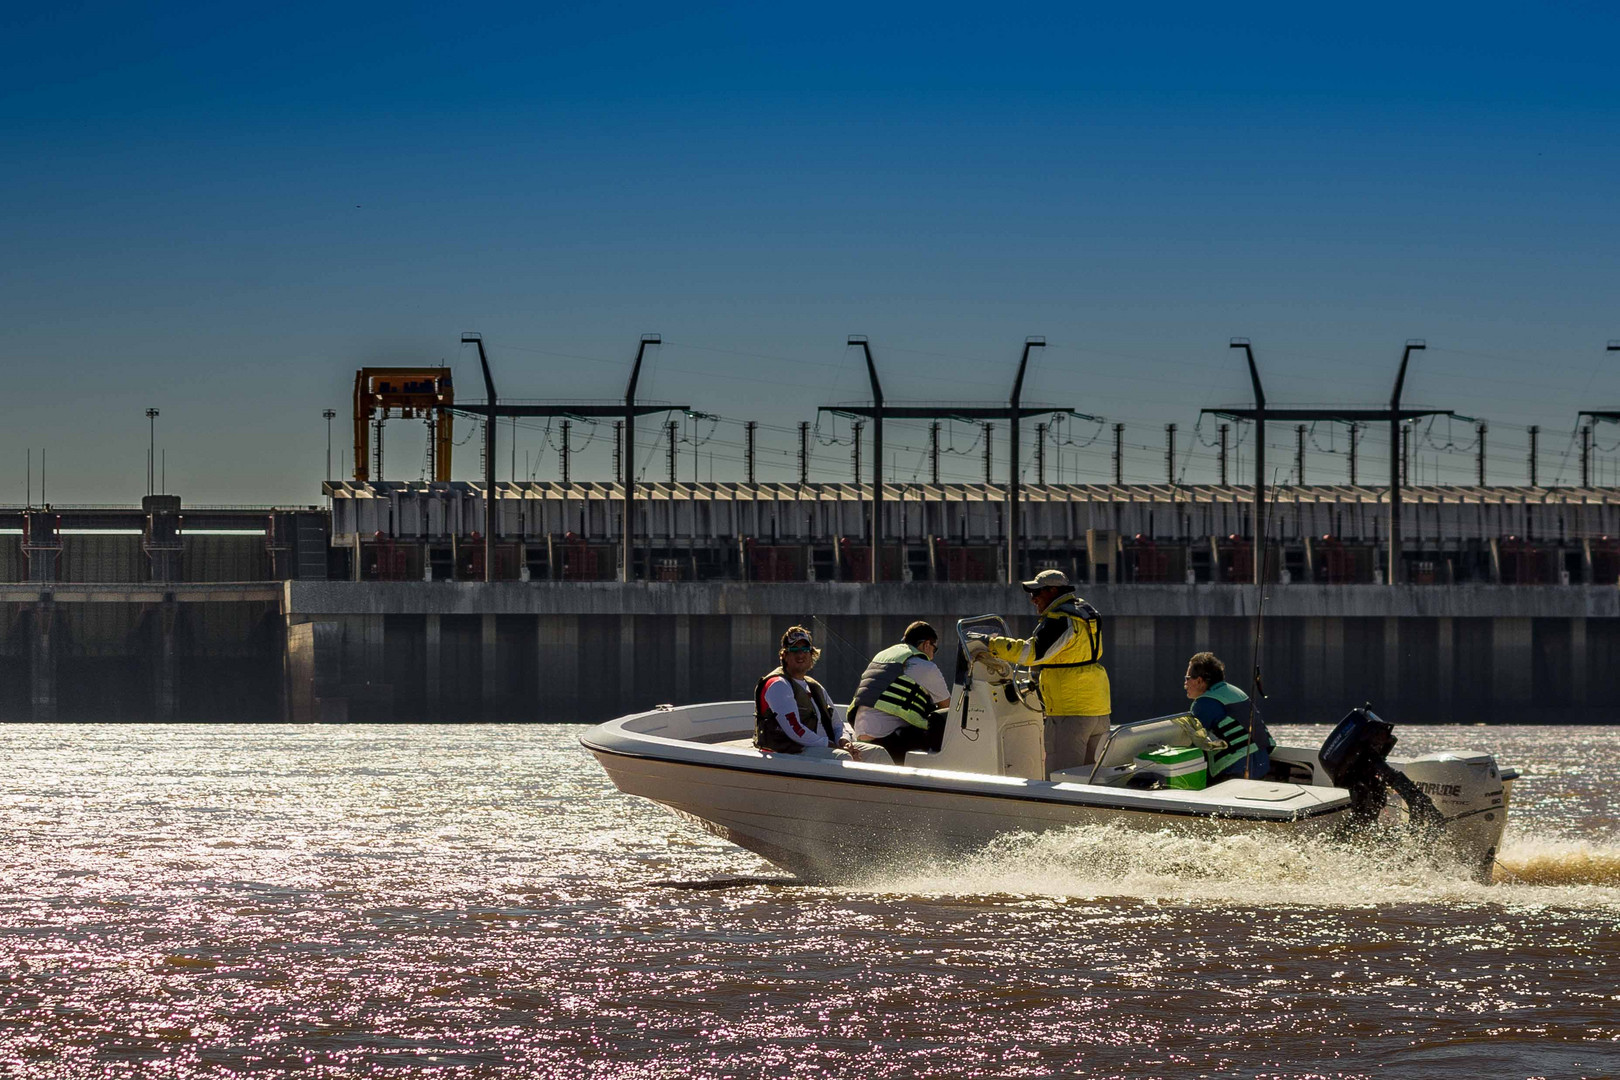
x,y
222,213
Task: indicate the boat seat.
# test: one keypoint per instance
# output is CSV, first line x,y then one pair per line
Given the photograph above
x,y
1126,742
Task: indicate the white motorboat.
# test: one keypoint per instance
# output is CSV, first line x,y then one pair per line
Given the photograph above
x,y
828,819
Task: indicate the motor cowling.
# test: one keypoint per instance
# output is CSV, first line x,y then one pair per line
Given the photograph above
x,y
1351,756
1470,791
1355,756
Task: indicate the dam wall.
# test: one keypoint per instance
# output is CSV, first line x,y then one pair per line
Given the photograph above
x,y
377,609
587,651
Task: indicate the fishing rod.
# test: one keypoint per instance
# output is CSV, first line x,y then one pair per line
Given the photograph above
x,y
833,637
1264,545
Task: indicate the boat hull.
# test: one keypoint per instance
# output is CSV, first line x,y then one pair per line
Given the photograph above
x,y
852,823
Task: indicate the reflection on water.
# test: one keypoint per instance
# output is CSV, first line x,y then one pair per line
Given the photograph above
x,y
477,901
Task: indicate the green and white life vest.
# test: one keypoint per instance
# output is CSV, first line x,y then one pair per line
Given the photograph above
x,y
886,687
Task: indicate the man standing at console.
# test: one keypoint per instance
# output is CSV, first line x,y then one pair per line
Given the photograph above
x,y
1065,656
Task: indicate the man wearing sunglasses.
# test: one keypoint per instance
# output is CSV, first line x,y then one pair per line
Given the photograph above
x,y
1226,712
1065,657
792,712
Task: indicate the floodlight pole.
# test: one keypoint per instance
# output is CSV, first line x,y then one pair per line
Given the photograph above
x,y
1259,460
877,453
878,410
327,415
627,569
489,456
1394,574
1014,573
151,451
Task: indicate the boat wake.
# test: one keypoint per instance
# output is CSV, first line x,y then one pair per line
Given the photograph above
x,y
1113,861
1558,862
741,881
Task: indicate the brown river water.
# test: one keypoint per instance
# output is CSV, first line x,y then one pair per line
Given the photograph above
x,y
188,901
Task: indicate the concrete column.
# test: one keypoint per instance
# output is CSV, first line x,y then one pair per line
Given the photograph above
x,y
1313,654
363,649
284,670
1332,687
432,660
557,642
627,661
1201,640
1445,673
163,697
1512,658
315,668
1577,661
42,664
754,645
683,659
1128,654
489,654
1392,661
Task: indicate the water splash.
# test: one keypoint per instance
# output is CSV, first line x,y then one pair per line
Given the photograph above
x,y
1115,861
1559,862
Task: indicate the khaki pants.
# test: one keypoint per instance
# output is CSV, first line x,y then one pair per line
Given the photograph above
x,y
870,753
1073,740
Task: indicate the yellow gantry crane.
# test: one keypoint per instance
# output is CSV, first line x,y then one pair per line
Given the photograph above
x,y
407,392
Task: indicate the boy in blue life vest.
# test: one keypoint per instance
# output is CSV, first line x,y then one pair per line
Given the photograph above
x,y
1226,712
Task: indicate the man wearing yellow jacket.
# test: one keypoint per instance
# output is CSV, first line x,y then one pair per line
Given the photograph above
x,y
1065,656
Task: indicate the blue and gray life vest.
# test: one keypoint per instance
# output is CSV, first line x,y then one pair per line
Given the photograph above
x,y
1238,725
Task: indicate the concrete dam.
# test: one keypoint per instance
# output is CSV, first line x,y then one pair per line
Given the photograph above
x,y
376,608
572,652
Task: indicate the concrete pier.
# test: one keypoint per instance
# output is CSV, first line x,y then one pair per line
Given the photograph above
x,y
588,651
42,662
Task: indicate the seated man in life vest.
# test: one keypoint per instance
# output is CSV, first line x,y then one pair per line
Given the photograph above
x,y
794,715
901,692
1226,712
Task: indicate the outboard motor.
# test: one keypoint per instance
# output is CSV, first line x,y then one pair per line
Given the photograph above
x,y
1355,756
1458,799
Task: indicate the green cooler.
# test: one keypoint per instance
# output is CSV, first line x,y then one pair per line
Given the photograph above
x,y
1181,766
